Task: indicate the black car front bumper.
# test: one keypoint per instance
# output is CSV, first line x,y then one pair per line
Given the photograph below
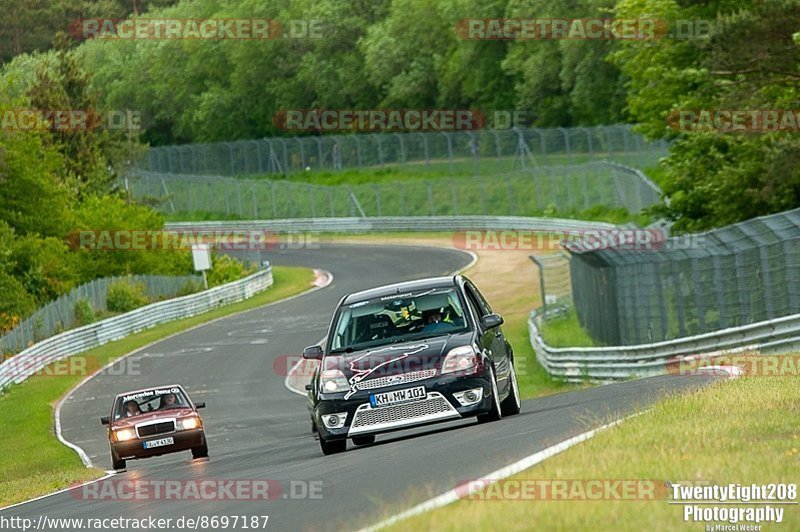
x,y
439,405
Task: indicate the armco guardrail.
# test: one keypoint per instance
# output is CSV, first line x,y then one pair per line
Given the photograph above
x,y
623,362
35,358
391,223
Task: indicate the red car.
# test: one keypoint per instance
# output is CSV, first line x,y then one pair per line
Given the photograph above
x,y
154,421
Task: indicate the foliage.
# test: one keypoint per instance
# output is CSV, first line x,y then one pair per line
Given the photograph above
x,y
190,287
111,214
225,269
749,60
84,313
124,296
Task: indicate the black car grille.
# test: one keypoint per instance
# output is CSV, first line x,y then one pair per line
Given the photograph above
x,y
408,411
393,380
156,428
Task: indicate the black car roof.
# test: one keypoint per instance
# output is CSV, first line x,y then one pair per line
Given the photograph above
x,y
397,288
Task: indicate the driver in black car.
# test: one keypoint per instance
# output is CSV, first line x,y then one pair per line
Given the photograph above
x,y
434,322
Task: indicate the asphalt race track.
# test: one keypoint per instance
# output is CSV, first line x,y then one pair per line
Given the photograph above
x,y
257,429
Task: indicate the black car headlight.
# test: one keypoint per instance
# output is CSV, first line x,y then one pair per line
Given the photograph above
x,y
460,359
333,381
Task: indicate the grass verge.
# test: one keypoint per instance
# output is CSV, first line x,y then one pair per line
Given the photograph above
x,y
743,431
566,331
34,461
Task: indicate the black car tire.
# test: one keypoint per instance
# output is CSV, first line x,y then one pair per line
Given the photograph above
x,y
116,463
494,414
313,427
364,440
511,405
200,452
332,447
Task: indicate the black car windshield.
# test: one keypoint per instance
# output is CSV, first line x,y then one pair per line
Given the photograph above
x,y
398,318
138,403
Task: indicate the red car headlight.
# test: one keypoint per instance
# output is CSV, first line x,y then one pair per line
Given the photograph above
x,y
124,434
189,423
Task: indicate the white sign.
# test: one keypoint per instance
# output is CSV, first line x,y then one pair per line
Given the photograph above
x,y
201,255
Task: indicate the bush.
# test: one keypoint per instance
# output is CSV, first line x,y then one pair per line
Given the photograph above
x,y
124,296
225,269
84,313
190,287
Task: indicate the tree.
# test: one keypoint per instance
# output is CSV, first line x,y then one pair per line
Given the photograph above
x,y
747,61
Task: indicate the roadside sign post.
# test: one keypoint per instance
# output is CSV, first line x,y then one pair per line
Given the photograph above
x,y
201,256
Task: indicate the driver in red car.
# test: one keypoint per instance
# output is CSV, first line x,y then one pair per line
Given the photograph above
x,y
168,401
131,409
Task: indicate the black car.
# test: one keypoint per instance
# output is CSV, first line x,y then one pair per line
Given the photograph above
x,y
410,354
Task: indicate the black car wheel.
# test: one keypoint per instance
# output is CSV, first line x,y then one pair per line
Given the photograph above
x,y
511,405
200,452
364,440
332,447
494,413
116,463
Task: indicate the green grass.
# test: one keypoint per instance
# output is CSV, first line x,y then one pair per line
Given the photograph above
x,y
462,166
656,173
34,462
533,380
565,331
616,216
553,191
743,431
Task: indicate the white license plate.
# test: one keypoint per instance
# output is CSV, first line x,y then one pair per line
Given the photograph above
x,y
398,396
158,443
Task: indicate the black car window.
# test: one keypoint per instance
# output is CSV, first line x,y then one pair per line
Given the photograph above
x,y
482,300
476,301
397,318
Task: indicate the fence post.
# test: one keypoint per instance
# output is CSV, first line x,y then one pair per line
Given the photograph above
x,y
380,148
539,265
319,152
302,153
356,204
230,155
473,149
402,149
567,147
789,247
285,157
450,152
425,149
166,194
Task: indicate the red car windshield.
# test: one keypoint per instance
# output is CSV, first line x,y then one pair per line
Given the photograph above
x,y
157,399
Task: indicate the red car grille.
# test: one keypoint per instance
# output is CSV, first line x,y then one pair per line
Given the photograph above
x,y
155,428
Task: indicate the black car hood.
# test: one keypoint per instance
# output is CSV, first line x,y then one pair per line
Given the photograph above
x,y
395,359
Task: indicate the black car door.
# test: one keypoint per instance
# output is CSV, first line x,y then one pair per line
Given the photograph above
x,y
491,339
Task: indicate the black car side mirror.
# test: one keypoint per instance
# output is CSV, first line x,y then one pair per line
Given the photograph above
x,y
104,420
313,352
201,404
490,321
